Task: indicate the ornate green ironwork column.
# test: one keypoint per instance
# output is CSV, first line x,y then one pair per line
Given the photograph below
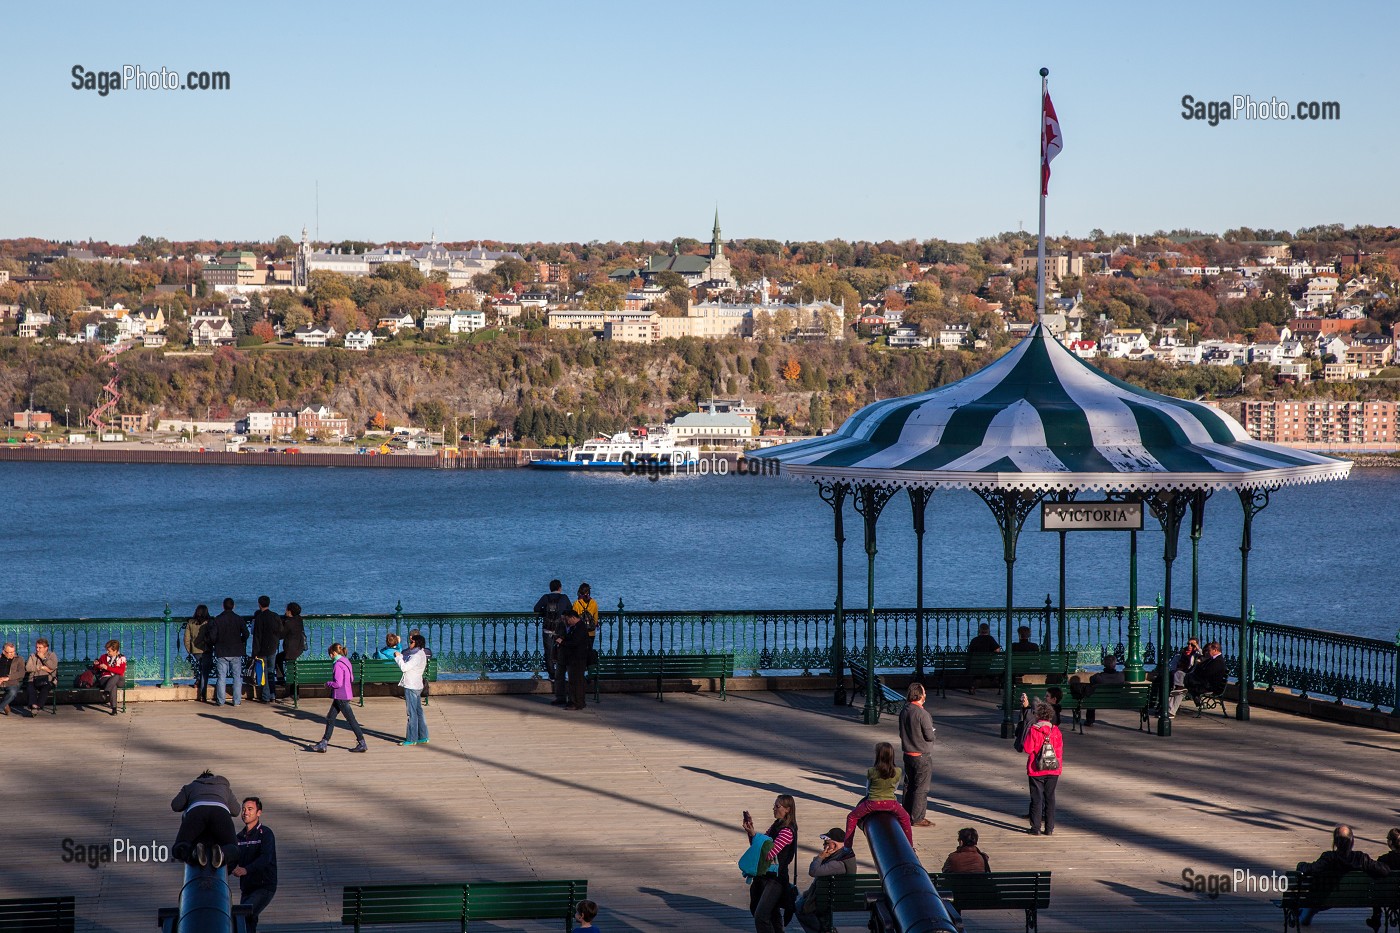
x,y
1169,507
1064,495
1198,509
870,501
1253,501
834,495
1133,669
619,626
918,501
1010,507
167,635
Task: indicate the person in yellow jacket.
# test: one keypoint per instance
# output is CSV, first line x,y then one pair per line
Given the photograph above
x,y
587,609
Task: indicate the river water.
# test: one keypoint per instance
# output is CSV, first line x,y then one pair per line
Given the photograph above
x,y
113,540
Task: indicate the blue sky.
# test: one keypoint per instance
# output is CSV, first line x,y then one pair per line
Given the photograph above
x,y
582,121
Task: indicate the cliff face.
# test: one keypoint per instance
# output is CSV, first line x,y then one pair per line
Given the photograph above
x,y
615,384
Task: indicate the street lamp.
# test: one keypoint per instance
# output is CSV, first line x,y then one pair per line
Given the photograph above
x,y
65,419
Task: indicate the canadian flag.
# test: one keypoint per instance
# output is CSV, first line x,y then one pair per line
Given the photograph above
x,y
1050,142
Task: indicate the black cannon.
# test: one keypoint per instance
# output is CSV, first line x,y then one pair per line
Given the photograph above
x,y
910,903
205,905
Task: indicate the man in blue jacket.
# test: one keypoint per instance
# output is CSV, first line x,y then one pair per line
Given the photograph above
x,y
257,862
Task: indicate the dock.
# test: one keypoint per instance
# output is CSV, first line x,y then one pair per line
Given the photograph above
x,y
643,798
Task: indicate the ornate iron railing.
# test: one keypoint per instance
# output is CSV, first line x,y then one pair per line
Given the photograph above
x,y
1330,665
481,644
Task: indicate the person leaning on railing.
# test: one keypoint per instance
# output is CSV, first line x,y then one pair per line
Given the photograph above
x,y
197,647
293,640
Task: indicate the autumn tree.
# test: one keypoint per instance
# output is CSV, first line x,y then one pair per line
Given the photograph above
x,y
793,370
379,422
263,331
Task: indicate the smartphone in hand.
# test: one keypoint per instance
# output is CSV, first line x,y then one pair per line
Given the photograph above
x,y
747,818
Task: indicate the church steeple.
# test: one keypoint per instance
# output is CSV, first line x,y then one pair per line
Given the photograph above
x,y
716,244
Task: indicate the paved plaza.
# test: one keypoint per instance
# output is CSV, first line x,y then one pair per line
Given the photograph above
x,y
644,798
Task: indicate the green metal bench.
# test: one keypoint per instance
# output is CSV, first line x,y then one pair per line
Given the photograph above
x,y
311,673
67,672
661,666
380,904
997,890
380,671
890,701
1131,696
1354,889
38,915
844,894
975,664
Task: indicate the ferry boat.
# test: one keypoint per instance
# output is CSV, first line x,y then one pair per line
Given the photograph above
x,y
636,449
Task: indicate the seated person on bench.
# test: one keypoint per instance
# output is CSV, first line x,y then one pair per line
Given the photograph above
x,y
1023,641
1109,675
1339,860
1210,675
983,642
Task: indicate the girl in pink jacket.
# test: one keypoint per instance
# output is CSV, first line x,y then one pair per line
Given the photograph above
x,y
342,692
1045,755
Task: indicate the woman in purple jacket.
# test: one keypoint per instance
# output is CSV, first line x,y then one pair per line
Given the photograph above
x,y
342,690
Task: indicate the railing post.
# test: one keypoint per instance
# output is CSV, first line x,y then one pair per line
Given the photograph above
x,y
398,618
619,626
1045,626
1395,699
166,637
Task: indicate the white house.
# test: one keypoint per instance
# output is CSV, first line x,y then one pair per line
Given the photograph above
x,y
907,337
395,324
1183,355
466,322
436,317
359,340
33,322
313,336
210,330
953,336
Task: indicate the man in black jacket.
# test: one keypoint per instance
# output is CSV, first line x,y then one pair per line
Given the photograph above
x,y
551,608
1210,675
1331,865
257,862
206,826
573,657
228,640
267,634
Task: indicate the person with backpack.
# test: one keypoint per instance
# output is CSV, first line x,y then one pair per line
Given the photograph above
x,y
768,892
550,609
267,636
1045,748
587,608
197,649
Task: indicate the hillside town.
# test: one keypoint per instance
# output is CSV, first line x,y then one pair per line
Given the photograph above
x,y
1277,309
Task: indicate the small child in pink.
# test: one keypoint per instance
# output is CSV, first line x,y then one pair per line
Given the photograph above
x,y
882,779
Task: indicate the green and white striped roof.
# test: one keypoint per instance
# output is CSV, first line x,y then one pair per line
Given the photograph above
x,y
1040,418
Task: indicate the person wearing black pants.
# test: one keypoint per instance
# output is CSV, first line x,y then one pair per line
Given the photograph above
x,y
916,737
551,608
573,655
1045,755
206,830
767,891
342,692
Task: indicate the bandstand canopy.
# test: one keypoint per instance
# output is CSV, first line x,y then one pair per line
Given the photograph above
x,y
1040,419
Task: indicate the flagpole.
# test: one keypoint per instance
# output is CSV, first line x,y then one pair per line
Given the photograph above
x,y
1040,177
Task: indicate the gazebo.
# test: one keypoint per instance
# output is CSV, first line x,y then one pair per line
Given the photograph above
x,y
1040,424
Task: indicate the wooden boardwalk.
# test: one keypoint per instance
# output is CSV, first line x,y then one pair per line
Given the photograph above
x,y
644,799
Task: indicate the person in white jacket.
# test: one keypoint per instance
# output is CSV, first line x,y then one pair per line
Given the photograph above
x,y
414,663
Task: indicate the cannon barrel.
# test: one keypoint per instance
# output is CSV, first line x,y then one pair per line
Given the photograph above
x,y
912,901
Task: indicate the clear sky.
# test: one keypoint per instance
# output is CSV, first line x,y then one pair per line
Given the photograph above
x,y
575,120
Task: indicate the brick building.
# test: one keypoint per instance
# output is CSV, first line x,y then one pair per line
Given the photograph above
x,y
1319,421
